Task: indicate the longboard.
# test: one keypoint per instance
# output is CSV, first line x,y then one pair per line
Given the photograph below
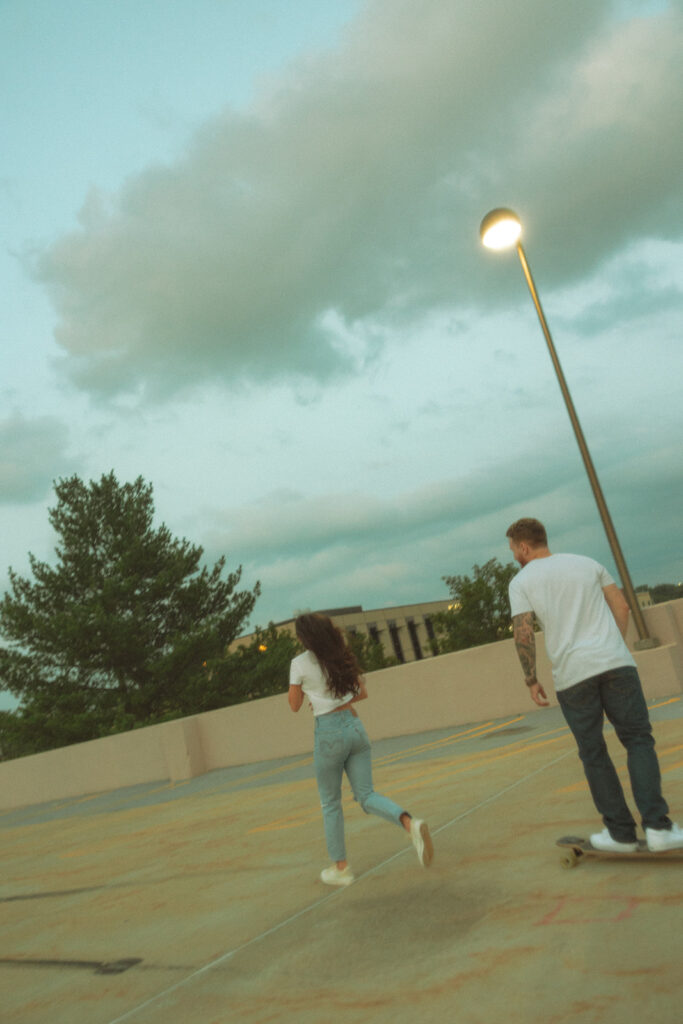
x,y
574,849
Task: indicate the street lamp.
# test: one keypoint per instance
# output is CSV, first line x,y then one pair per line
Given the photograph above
x,y
501,229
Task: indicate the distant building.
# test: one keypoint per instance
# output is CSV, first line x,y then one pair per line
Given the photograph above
x,y
644,598
405,631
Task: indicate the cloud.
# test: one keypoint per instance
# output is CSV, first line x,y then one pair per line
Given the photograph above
x,y
345,548
604,145
342,547
29,451
289,524
351,192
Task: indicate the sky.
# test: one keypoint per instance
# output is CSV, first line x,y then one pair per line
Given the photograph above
x,y
240,258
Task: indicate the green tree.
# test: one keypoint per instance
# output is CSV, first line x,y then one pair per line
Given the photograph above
x,y
480,611
115,634
369,652
666,592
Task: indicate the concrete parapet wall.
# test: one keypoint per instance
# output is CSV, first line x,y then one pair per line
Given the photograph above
x,y
99,765
664,621
449,690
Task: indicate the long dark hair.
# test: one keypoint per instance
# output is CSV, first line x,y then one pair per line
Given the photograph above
x,y
321,637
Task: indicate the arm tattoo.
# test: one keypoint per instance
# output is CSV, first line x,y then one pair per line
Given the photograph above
x,y
525,642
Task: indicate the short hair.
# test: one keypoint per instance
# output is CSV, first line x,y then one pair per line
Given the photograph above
x,y
529,531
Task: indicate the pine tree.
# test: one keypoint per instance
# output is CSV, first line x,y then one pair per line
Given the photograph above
x,y
114,634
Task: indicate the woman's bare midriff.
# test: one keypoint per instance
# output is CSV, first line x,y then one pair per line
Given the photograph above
x,y
343,707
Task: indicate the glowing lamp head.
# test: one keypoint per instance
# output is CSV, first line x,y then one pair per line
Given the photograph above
x,y
500,229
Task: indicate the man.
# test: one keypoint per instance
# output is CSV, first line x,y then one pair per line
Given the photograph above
x,y
584,617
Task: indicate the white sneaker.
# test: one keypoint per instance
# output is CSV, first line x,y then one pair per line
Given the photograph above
x,y
603,841
333,876
422,841
664,839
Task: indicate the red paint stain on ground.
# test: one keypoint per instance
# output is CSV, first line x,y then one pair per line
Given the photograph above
x,y
564,912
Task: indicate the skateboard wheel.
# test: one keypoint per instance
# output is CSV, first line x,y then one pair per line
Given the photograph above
x,y
569,859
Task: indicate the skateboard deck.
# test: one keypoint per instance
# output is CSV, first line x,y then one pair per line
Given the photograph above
x,y
574,849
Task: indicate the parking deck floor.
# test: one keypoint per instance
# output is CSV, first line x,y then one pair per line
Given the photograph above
x,y
200,902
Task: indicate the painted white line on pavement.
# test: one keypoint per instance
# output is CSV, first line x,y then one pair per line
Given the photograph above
x,y
325,899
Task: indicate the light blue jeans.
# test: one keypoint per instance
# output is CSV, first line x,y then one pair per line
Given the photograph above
x,y
342,745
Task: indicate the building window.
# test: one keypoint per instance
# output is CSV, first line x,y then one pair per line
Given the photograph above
x,y
374,634
429,627
415,640
396,642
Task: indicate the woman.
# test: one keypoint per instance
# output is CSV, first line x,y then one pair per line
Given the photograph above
x,y
328,674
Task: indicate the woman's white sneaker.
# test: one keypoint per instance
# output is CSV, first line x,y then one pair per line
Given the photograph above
x,y
422,841
659,839
603,841
333,876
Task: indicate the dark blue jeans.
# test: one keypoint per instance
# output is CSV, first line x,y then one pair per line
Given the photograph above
x,y
619,695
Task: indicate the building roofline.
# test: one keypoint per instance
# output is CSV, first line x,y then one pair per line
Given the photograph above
x,y
357,609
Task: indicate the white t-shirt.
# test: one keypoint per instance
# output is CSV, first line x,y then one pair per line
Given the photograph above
x,y
305,671
581,635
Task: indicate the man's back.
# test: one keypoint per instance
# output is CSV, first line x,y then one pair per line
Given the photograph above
x,y
566,594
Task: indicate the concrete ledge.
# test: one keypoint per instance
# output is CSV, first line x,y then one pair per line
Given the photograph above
x,y
450,690
181,743
96,766
660,670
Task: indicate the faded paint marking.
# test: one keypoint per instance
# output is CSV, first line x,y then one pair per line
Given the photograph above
x,y
556,916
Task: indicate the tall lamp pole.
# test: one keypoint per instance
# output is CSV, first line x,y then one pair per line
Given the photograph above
x,y
501,229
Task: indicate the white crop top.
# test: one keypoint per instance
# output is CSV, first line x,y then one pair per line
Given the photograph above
x,y
305,671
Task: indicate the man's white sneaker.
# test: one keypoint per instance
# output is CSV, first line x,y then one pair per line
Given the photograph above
x,y
333,876
422,841
664,839
603,841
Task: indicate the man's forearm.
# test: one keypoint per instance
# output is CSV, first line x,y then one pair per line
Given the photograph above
x,y
618,607
525,642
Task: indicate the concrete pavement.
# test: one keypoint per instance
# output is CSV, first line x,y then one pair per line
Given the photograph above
x,y
200,903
